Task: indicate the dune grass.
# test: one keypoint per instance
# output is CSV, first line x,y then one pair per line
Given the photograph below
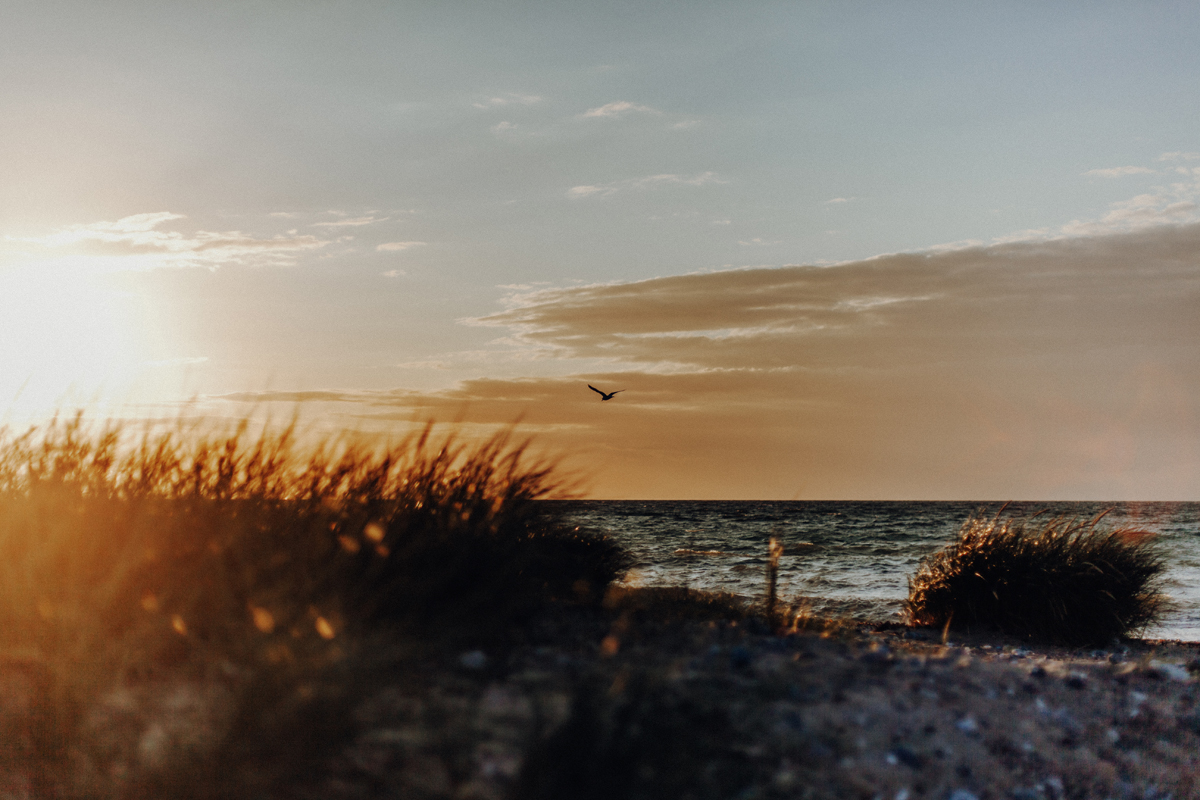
x,y
253,562
1055,580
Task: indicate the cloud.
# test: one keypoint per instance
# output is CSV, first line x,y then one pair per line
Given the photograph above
x,y
1119,172
137,229
136,243
393,273
619,108
508,100
1143,211
836,201
588,191
648,182
867,312
393,247
1059,368
1179,156
1175,204
1028,234
1050,369
303,396
351,222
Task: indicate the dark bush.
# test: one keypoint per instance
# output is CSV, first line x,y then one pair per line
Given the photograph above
x,y
1056,580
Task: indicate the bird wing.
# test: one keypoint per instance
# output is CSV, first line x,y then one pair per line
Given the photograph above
x,y
594,389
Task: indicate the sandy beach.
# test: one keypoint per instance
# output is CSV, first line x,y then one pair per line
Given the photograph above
x,y
725,710
613,702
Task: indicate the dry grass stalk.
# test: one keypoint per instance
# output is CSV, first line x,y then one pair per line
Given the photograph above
x,y
774,551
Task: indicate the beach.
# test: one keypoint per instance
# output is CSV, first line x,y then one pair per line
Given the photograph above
x,y
625,700
724,710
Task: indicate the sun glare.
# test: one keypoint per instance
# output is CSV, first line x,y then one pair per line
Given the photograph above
x,y
67,336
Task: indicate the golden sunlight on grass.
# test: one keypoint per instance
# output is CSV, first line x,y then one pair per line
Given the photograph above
x,y
130,557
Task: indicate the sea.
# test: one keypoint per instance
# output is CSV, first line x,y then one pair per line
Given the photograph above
x,y
854,559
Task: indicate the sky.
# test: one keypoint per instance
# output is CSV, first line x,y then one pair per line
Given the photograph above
x,y
828,250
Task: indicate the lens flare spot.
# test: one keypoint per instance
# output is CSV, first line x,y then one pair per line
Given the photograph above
x,y
324,628
374,531
263,619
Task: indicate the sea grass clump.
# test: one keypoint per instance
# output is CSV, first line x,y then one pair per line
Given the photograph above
x,y
222,535
1055,580
259,577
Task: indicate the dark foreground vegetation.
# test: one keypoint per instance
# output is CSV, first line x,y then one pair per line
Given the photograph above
x,y
1056,580
278,571
194,614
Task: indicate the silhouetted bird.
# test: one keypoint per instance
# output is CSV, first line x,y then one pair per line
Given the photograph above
x,y
605,395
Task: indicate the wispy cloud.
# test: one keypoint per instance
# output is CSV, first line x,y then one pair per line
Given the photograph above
x,y
1071,294
509,100
395,247
619,108
648,182
1119,172
136,242
836,201
1179,155
137,228
350,222
1164,207
590,190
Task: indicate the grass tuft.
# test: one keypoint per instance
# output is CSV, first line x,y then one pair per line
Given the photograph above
x,y
1057,580
134,559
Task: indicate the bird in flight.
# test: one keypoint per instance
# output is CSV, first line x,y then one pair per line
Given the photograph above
x,y
605,395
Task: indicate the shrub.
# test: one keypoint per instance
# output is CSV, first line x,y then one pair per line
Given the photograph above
x,y
1056,580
